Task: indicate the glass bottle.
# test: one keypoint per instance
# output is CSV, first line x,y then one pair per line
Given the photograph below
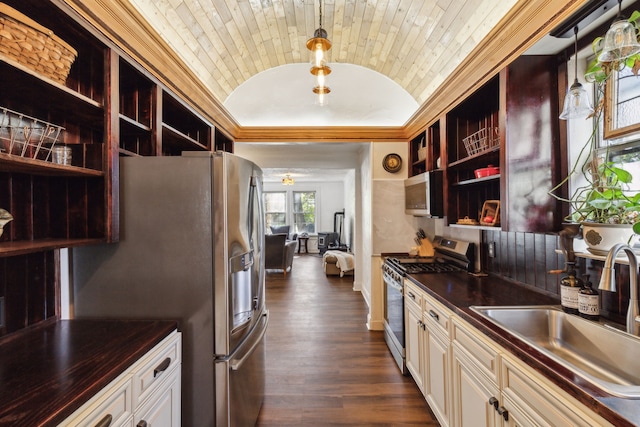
x,y
570,287
589,301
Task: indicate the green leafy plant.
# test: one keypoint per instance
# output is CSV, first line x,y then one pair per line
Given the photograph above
x,y
607,197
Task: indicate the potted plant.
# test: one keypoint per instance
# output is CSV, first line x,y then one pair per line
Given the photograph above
x,y
605,205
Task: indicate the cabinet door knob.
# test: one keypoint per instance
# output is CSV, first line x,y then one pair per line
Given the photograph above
x,y
105,421
494,402
162,367
142,423
503,411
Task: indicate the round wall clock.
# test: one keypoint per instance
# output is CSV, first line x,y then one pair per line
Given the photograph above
x,y
392,163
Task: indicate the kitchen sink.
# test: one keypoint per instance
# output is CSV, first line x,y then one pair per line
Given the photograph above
x,y
606,357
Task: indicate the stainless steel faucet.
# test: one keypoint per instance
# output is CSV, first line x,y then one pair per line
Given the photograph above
x,y
608,283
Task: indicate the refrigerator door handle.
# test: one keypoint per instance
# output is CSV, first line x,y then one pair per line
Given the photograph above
x,y
236,364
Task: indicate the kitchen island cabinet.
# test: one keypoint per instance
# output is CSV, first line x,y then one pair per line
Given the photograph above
x,y
488,363
77,368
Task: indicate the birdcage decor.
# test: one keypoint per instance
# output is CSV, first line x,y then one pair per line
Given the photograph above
x,y
26,136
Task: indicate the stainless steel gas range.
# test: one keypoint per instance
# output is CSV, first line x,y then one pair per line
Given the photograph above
x,y
450,256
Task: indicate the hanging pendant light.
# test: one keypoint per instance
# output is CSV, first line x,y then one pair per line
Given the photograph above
x,y
576,101
621,41
319,46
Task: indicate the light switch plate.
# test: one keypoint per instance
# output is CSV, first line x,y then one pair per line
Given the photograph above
x,y
492,249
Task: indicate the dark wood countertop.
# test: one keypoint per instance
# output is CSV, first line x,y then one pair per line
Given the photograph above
x,y
49,371
459,291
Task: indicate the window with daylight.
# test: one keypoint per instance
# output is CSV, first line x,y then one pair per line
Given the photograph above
x,y
619,132
295,208
622,104
275,208
304,211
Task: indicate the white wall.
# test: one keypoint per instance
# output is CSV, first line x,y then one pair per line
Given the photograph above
x,y
363,230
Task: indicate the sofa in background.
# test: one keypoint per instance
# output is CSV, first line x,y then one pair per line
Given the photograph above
x,y
338,263
279,252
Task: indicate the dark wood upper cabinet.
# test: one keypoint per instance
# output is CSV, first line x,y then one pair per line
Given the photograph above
x,y
531,155
510,122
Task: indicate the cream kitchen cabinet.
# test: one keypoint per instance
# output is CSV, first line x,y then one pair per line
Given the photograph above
x,y
437,374
428,350
414,334
145,395
475,378
469,380
489,380
526,392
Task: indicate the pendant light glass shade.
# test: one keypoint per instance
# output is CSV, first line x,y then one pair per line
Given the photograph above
x,y
576,101
319,46
620,42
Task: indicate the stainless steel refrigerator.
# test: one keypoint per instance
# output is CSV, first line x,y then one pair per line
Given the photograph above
x,y
191,249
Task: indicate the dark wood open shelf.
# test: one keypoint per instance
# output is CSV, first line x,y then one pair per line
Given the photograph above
x,y
128,121
17,164
30,246
476,158
173,139
478,180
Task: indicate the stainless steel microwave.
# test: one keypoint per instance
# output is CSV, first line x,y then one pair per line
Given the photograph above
x,y
423,194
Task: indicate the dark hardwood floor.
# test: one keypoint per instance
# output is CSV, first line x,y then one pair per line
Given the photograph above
x,y
324,367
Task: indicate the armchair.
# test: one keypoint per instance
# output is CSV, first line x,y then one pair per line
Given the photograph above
x,y
278,252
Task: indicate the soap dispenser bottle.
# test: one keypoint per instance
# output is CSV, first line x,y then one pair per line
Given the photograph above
x,y
570,287
589,301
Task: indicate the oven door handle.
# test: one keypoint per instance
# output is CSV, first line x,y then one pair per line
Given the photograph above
x,y
398,287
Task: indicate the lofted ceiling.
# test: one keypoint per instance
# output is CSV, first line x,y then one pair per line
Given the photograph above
x,y
415,43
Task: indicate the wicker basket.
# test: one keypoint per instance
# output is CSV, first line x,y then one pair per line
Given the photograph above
x,y
35,47
490,209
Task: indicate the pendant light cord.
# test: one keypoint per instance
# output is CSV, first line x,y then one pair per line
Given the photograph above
x,y
320,1
575,52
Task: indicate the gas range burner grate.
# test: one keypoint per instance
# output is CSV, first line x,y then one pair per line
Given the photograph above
x,y
438,267
423,265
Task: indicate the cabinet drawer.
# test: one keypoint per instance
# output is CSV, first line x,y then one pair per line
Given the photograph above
x,y
412,295
483,354
112,403
542,401
436,314
163,408
156,366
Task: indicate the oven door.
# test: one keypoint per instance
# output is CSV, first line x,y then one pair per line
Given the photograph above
x,y
394,309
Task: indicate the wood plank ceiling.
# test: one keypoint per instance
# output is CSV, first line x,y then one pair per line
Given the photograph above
x,y
416,43
438,50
